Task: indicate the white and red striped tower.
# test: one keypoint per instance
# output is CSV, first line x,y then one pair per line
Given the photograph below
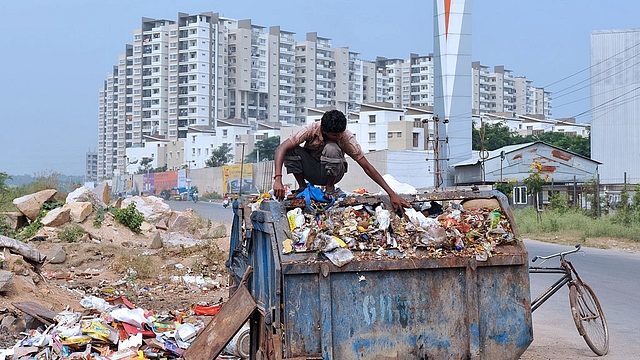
x,y
452,86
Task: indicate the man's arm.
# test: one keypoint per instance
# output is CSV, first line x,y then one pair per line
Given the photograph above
x,y
396,200
281,150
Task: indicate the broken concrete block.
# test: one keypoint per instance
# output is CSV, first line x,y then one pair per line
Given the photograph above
x,y
84,194
15,219
103,192
57,217
6,280
156,242
57,255
30,204
152,207
79,210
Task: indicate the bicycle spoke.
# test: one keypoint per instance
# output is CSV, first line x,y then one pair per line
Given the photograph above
x,y
591,320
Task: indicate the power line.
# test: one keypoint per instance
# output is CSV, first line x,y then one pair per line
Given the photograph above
x,y
606,102
588,68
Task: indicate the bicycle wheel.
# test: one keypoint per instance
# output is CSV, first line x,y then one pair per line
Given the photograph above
x,y
588,316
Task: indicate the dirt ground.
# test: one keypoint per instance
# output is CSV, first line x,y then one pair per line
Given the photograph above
x,y
183,273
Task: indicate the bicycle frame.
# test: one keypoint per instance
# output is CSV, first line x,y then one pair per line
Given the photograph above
x,y
565,268
549,292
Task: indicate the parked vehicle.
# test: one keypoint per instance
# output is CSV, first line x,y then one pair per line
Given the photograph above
x,y
181,193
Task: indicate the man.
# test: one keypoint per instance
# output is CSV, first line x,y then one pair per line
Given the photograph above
x,y
321,159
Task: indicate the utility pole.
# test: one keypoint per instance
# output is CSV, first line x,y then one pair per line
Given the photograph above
x,y
436,143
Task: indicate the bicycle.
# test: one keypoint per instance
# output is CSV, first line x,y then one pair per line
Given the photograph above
x,y
585,307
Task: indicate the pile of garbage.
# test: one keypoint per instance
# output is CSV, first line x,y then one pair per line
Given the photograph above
x,y
111,329
348,230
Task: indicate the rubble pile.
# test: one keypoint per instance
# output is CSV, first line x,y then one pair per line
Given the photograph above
x,y
173,266
350,230
112,329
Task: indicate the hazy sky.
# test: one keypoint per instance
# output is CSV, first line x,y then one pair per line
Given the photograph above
x,y
57,53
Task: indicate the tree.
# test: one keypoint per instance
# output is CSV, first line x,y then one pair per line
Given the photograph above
x,y
494,136
575,144
266,147
219,156
145,165
535,181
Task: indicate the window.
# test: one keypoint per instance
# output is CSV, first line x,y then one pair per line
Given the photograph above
x,y
372,136
520,195
389,135
372,119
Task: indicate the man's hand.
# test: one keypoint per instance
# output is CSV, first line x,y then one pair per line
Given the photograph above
x,y
399,203
278,189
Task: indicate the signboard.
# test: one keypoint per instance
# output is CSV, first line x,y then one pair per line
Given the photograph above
x,y
231,179
163,181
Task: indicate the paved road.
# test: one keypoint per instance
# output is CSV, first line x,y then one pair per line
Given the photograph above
x,y
211,210
613,276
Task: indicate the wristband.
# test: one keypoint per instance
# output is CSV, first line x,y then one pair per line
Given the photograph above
x,y
277,176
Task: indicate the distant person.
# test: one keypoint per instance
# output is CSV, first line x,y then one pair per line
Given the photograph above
x,y
321,160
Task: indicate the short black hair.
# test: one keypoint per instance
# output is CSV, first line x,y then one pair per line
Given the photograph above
x,y
333,121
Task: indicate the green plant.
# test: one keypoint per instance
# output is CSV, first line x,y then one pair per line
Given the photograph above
x,y
559,202
130,217
99,217
504,187
139,266
211,196
5,227
70,233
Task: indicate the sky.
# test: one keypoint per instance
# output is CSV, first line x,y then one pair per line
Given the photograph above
x,y
56,54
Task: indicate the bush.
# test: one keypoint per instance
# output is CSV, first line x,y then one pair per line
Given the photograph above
x,y
130,217
70,233
5,227
210,196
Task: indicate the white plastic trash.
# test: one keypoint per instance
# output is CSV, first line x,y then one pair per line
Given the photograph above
x,y
240,345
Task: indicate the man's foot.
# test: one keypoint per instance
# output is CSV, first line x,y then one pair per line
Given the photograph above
x,y
295,193
335,193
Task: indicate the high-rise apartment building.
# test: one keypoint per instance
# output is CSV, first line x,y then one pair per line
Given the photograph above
x,y
501,92
91,172
405,82
204,68
315,83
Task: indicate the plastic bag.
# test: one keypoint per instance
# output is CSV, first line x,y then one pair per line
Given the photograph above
x,y
296,218
417,218
339,256
384,218
494,219
312,192
92,302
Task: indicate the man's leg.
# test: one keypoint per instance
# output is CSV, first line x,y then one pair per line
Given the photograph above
x,y
304,167
332,161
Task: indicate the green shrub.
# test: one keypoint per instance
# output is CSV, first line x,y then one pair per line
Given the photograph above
x,y
99,217
573,221
5,227
70,233
130,217
210,196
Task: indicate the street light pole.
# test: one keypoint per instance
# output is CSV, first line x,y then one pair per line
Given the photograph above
x,y
501,160
241,169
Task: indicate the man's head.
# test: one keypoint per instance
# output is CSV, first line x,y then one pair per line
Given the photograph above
x,y
333,122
